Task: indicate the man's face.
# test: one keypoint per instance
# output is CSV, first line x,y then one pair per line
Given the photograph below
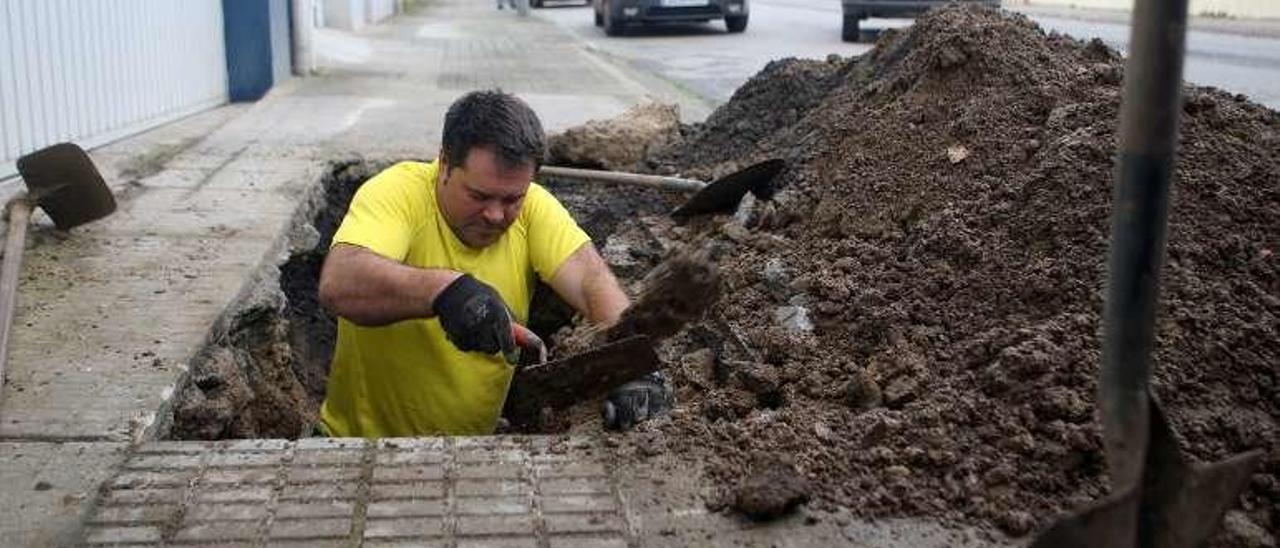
x,y
482,197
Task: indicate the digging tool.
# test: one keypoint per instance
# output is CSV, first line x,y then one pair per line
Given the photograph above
x,y
718,196
527,339
1159,500
561,383
62,181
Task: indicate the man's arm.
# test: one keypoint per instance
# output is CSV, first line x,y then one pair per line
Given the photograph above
x,y
585,282
371,290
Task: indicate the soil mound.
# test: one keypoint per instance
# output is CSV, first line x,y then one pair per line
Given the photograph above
x,y
943,235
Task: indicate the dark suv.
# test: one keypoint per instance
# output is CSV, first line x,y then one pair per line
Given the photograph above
x,y
857,10
614,14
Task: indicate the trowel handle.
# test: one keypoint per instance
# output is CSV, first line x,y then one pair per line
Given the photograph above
x,y
526,338
15,240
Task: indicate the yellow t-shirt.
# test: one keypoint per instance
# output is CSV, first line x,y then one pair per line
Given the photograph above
x,y
407,379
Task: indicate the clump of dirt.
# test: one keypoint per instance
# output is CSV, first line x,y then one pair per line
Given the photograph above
x,y
616,144
771,489
916,321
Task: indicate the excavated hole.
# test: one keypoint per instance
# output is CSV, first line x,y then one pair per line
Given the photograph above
x,y
263,372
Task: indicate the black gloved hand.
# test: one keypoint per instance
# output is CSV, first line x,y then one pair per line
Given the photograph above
x,y
636,401
474,317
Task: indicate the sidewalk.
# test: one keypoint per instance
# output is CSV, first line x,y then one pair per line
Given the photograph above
x,y
109,315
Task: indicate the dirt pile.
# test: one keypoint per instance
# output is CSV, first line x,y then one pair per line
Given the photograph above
x,y
943,236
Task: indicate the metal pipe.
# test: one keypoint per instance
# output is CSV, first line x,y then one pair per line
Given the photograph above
x,y
618,177
19,215
1148,138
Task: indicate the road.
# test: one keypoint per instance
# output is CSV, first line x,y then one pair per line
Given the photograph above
x,y
708,61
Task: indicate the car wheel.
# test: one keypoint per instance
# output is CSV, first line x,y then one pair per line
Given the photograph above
x,y
535,3
849,31
736,24
612,27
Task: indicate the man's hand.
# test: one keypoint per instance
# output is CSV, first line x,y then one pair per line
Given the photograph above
x,y
637,401
474,317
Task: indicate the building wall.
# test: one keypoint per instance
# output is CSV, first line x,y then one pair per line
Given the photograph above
x,y
1268,9
92,71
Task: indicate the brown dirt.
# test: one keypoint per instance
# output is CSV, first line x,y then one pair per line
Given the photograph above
x,y
944,222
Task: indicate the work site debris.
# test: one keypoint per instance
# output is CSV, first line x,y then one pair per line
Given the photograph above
x,y
617,144
944,223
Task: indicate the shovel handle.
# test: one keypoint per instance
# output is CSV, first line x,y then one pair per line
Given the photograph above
x,y
635,179
15,239
1140,210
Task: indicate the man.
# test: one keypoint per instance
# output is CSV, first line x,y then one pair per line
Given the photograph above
x,y
431,264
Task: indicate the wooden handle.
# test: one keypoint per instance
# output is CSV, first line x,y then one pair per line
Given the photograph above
x,y
19,214
653,181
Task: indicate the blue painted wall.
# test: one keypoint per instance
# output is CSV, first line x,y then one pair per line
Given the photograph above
x,y
257,40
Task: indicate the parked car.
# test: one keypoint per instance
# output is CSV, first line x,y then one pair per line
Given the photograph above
x,y
857,10
613,15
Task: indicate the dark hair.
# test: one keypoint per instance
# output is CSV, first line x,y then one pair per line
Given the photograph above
x,y
497,120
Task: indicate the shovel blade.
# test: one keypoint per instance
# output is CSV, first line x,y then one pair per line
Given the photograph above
x,y
1108,523
1183,503
561,383
63,181
723,194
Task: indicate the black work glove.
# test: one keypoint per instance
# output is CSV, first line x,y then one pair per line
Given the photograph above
x,y
636,401
474,317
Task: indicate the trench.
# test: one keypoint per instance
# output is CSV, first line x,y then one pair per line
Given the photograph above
x,y
263,369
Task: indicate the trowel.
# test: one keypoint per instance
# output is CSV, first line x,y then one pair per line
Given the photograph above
x,y
719,196
62,181
560,383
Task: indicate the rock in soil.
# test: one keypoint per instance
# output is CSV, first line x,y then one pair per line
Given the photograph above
x,y
617,144
772,488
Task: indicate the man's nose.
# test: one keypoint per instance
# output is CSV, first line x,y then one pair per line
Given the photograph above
x,y
493,213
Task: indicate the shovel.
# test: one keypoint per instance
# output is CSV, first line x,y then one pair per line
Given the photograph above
x,y
719,196
1160,499
62,181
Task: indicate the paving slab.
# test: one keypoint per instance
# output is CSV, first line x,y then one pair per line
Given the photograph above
x,y
490,492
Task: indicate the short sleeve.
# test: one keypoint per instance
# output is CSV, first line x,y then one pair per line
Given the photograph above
x,y
380,217
553,234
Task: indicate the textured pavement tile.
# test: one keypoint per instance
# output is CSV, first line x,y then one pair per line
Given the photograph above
x,y
116,535
501,487
520,524
405,527
565,504
574,486
407,508
311,528
319,491
408,473
416,490
321,509
226,512
584,523
135,514
493,505
219,531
